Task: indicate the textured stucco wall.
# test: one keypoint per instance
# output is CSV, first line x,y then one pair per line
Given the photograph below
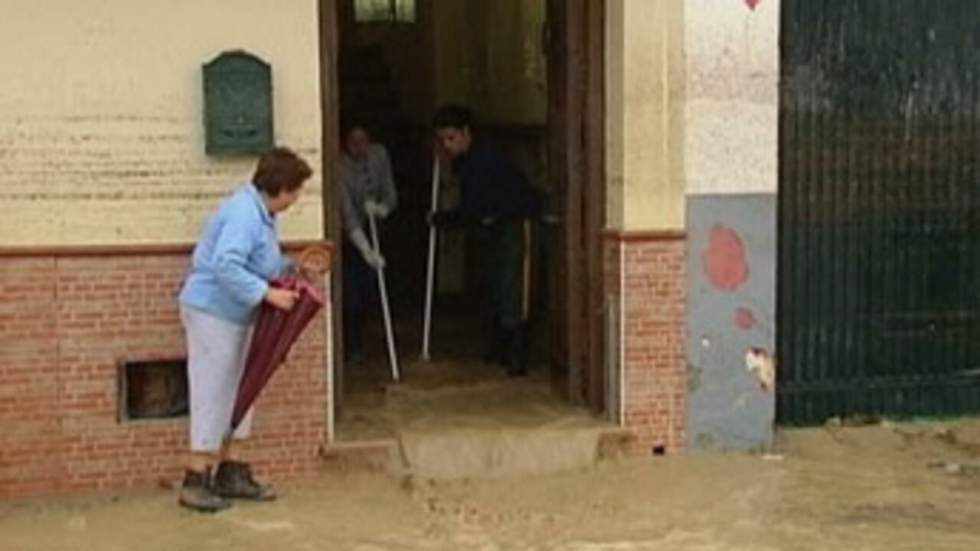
x,y
731,298
731,103
731,149
692,141
644,123
101,134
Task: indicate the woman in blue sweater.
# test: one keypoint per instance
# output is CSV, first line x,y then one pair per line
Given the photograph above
x,y
236,257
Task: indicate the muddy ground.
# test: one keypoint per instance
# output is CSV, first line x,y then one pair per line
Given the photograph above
x,y
895,487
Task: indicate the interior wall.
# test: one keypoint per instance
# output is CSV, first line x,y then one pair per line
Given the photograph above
x,y
101,127
407,50
484,53
691,105
488,55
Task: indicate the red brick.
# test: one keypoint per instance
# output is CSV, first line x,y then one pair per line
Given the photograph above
x,y
651,285
65,323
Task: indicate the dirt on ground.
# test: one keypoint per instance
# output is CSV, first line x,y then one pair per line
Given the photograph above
x,y
438,396
884,486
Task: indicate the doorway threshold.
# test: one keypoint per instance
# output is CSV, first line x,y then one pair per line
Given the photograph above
x,y
447,421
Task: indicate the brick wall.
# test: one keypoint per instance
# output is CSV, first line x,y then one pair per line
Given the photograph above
x,y
66,322
647,271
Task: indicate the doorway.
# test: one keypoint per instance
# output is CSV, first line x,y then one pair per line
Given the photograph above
x,y
536,85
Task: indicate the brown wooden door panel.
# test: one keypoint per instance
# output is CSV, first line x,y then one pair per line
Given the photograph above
x,y
574,43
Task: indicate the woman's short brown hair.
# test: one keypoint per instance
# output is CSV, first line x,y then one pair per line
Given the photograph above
x,y
280,170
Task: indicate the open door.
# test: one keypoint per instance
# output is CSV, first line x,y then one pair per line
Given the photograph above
x,y
574,42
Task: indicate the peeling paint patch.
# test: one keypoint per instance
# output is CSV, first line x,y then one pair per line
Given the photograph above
x,y
731,303
693,377
758,361
744,319
725,262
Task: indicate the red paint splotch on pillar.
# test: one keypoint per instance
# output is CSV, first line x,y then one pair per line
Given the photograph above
x,y
752,4
724,262
744,318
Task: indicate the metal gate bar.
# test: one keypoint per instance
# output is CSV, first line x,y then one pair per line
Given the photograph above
x,y
878,295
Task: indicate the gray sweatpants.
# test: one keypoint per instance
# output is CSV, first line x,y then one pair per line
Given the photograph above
x,y
216,350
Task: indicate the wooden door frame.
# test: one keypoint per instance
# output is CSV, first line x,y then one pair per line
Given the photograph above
x,y
594,144
329,41
576,42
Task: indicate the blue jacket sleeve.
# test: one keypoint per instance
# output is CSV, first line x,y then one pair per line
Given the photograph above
x,y
231,255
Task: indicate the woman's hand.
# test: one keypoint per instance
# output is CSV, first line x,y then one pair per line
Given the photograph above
x,y
284,299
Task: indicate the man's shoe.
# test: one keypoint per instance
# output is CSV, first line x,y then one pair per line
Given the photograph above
x,y
196,493
498,346
517,352
234,480
355,359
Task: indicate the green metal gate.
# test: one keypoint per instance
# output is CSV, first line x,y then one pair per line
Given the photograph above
x,y
879,235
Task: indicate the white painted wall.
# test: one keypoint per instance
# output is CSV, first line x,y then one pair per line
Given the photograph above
x,y
101,133
731,108
692,99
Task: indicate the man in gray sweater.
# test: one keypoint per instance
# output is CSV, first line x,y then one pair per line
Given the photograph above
x,y
366,188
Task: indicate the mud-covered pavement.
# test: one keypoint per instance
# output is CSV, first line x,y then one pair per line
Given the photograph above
x,y
912,486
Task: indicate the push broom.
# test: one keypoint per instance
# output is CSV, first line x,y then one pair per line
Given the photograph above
x,y
385,310
430,273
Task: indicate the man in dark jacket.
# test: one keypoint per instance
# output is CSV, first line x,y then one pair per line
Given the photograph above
x,y
497,204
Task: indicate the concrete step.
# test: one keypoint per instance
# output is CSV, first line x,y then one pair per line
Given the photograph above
x,y
473,453
451,422
481,453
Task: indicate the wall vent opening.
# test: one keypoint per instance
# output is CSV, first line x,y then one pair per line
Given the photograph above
x,y
154,389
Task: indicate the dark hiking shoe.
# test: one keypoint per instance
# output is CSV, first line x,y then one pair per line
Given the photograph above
x,y
517,352
196,494
493,356
354,359
517,370
234,480
498,347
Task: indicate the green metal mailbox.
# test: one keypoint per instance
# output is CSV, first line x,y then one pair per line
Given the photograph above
x,y
237,104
